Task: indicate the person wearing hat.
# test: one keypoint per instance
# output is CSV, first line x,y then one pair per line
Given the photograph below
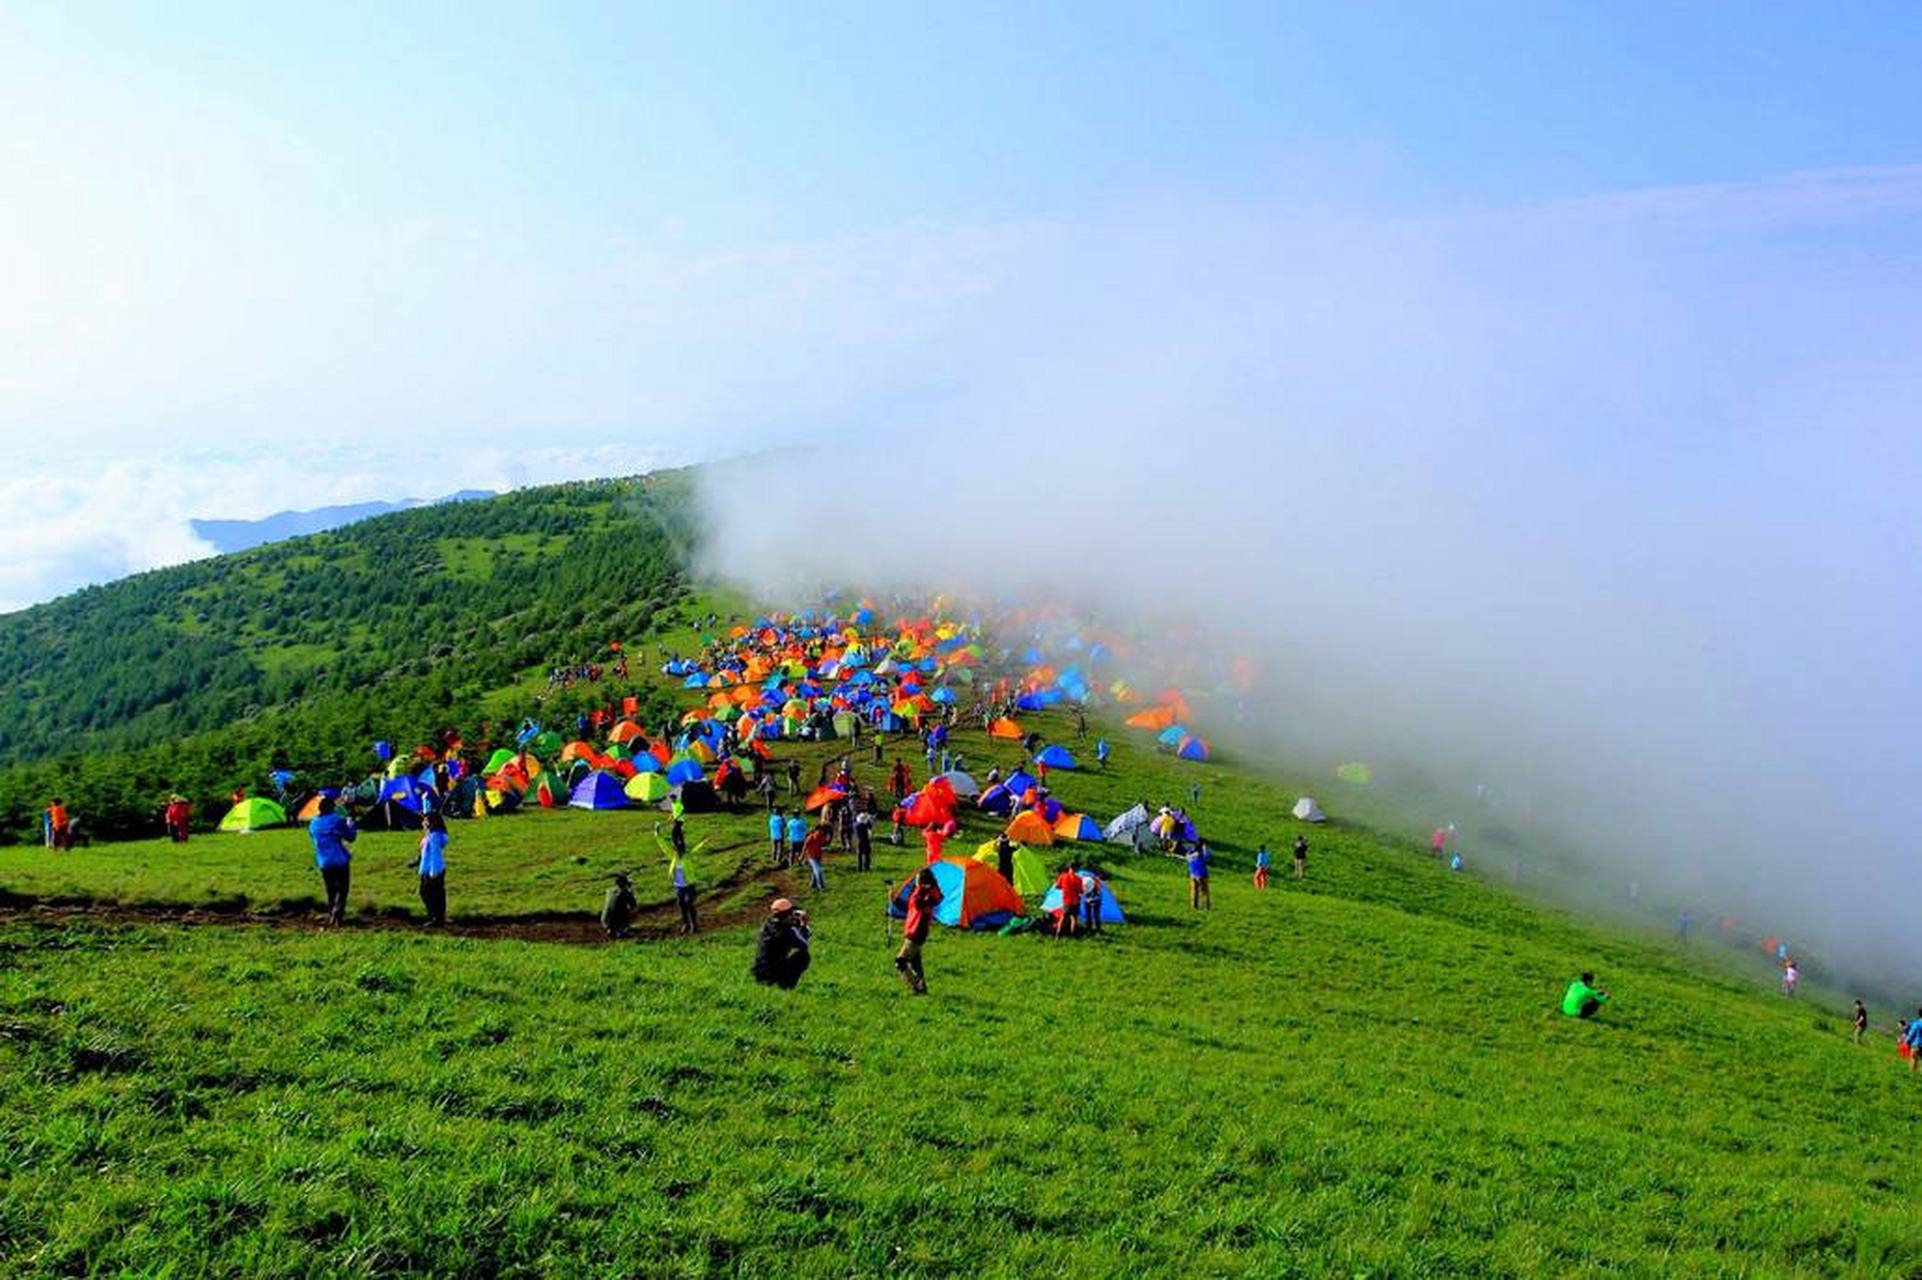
x,y
618,908
178,816
781,953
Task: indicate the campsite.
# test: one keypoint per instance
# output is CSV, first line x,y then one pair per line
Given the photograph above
x,y
589,1105
821,640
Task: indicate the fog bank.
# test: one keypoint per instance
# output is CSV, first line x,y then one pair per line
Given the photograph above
x,y
1608,501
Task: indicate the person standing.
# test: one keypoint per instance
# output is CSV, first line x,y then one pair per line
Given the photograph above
x,y
433,868
1091,893
782,952
814,848
1860,1020
179,818
1912,1037
1068,883
59,825
797,834
1199,895
683,894
1790,977
1262,859
1301,857
864,840
1004,857
777,836
923,897
332,833
1101,752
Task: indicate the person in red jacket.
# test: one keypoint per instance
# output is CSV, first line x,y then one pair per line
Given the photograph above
x,y
923,898
814,849
1069,882
179,815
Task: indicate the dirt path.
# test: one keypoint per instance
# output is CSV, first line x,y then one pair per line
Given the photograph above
x,y
740,899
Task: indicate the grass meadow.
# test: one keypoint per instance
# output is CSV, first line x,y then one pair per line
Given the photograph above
x,y
1363,1074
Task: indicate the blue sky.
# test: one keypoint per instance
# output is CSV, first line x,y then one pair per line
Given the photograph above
x,y
357,250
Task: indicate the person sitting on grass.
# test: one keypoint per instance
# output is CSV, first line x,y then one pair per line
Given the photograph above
x,y
781,953
619,907
1583,1000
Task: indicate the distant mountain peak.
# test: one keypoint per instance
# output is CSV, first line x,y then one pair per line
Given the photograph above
x,y
239,535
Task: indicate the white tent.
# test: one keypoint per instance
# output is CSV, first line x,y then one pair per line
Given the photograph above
x,y
1308,811
964,786
1122,829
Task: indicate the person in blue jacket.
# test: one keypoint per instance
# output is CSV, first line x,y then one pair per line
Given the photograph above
x,y
331,833
433,868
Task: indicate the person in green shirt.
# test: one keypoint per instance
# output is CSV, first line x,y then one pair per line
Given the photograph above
x,y
1583,999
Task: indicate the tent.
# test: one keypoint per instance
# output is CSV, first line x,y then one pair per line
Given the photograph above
x,y
646,788
973,895
1110,907
253,814
822,797
1031,828
996,800
1031,875
697,796
684,771
599,790
504,756
1356,773
964,786
1122,829
1005,728
1056,757
1077,826
1191,748
1308,811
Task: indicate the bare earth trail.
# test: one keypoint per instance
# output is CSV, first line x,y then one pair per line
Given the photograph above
x,y
742,899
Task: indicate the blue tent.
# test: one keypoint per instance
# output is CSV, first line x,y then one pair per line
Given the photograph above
x,y
996,800
1110,908
1171,736
598,790
695,681
1020,782
1057,757
684,771
408,793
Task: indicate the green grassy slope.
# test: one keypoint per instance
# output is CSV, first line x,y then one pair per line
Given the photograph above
x,y
1363,1074
205,676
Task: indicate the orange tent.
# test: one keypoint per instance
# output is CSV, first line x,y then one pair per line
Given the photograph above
x,y
626,731
1153,718
1005,728
1030,828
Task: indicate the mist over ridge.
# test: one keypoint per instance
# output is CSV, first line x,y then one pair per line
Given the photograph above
x,y
1492,492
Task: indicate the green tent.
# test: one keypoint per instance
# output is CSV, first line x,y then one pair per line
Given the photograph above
x,y
1355,772
545,744
1031,874
253,814
647,787
501,757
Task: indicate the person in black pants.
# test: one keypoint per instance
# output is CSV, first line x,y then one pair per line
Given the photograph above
x,y
781,954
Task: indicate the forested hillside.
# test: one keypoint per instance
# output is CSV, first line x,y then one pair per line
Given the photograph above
x,y
197,677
